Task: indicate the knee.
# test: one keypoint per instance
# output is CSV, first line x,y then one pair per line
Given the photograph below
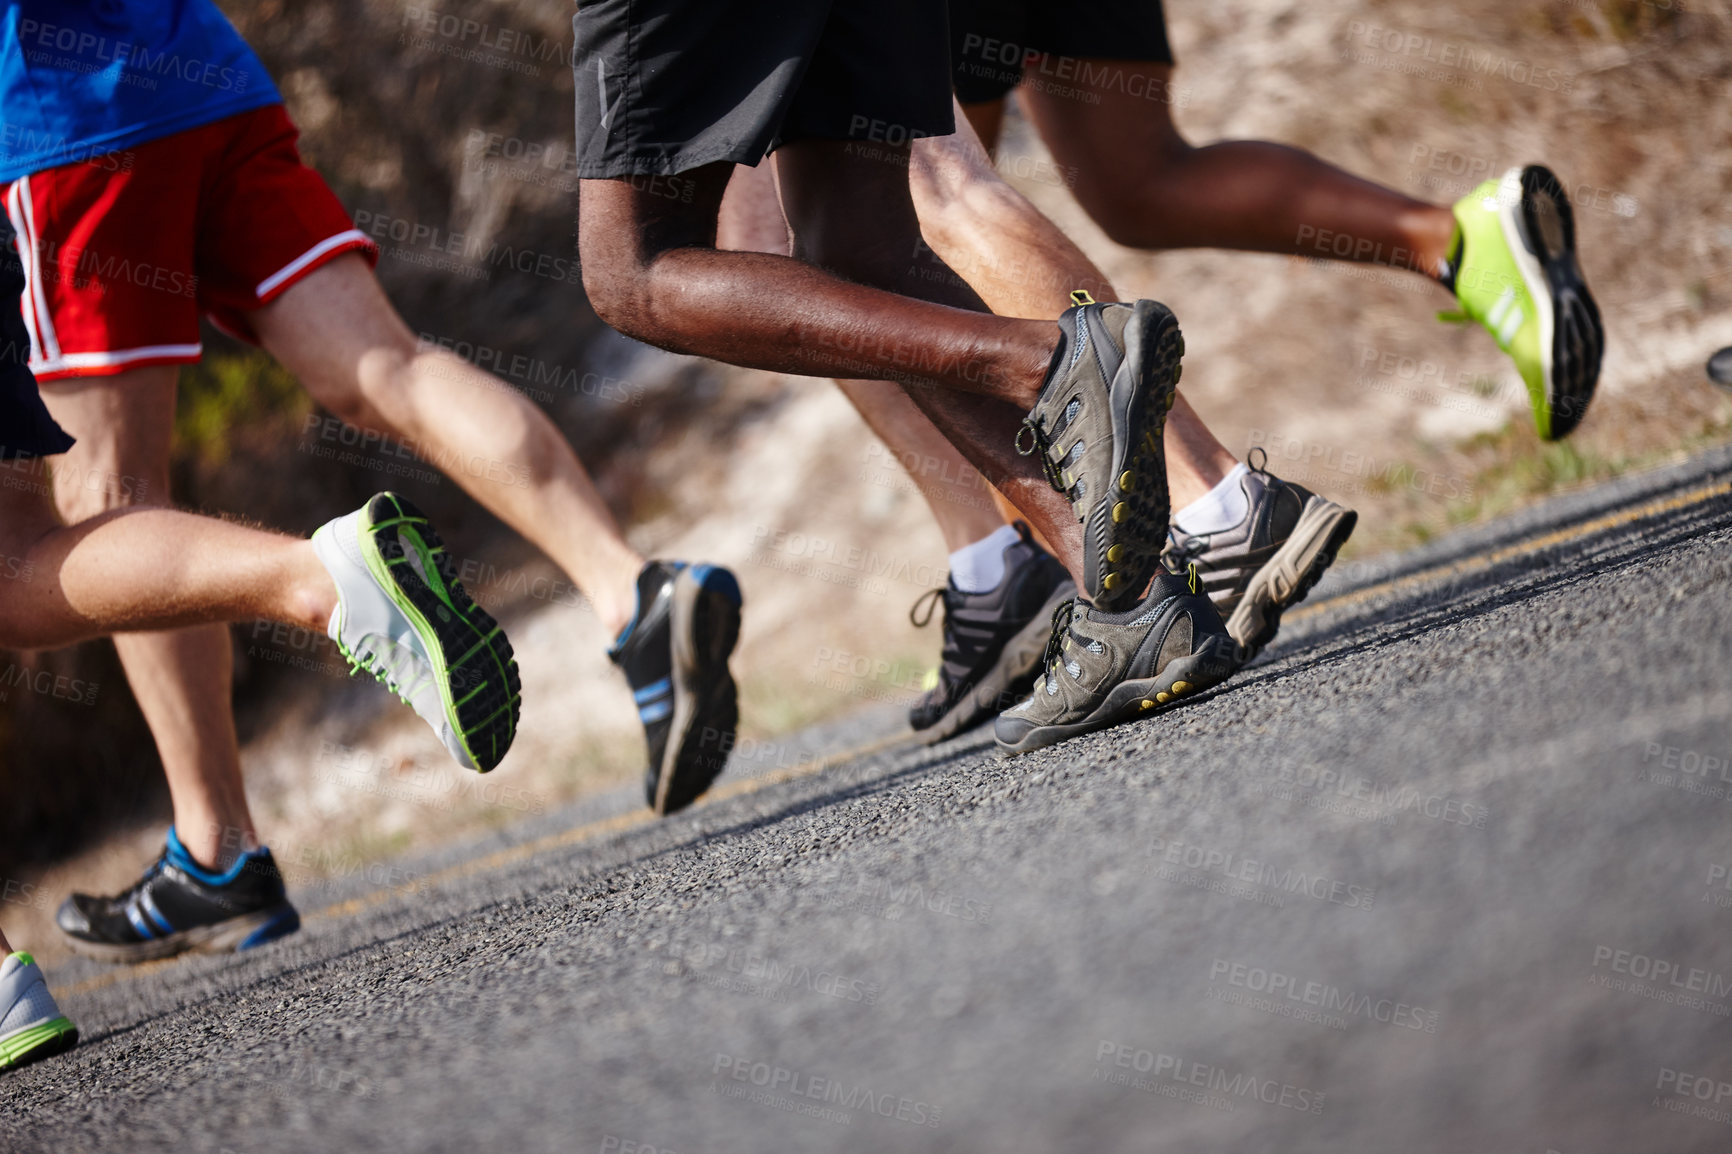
x,y
346,404
379,372
618,271
940,173
976,207
636,295
1131,206
363,397
616,293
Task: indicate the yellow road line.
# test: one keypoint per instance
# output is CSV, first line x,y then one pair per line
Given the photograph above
x,y
1531,545
574,836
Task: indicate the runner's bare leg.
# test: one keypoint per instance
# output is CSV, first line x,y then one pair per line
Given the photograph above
x,y
653,271
1019,262
136,569
1147,187
337,332
965,507
147,569
1023,265
182,679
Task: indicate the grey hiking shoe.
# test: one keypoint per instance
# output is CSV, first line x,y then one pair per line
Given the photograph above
x,y
993,641
1268,562
1103,668
1098,426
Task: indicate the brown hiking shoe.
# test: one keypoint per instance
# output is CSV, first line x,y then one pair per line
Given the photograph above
x,y
1103,668
1269,561
1098,426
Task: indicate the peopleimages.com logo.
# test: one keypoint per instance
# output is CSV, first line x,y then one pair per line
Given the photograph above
x,y
802,1088
1120,1064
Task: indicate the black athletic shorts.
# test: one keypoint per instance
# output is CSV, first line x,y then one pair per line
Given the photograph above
x,y
664,86
26,429
991,40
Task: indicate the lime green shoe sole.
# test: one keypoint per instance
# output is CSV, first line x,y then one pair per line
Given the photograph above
x,y
477,674
37,1042
1559,357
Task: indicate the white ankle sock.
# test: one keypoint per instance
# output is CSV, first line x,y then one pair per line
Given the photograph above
x,y
1220,508
978,568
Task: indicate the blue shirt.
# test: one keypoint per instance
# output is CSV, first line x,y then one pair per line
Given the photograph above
x,y
79,78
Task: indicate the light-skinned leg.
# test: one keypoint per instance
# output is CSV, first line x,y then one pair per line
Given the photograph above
x,y
182,679
1023,265
149,569
965,507
653,271
338,333
152,569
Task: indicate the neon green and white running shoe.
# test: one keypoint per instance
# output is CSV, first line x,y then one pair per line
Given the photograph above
x,y
1514,266
403,617
31,1025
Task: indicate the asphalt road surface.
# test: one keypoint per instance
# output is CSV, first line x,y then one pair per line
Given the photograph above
x,y
1449,868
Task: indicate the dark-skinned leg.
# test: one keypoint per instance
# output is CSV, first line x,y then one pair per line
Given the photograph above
x,y
183,680
1148,188
965,507
652,271
1023,266
853,214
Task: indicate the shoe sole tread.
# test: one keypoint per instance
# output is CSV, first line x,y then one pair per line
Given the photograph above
x,y
1139,423
705,628
486,711
1288,577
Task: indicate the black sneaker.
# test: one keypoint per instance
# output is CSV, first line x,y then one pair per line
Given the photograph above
x,y
1720,367
178,905
1269,561
1106,668
675,657
992,641
1098,426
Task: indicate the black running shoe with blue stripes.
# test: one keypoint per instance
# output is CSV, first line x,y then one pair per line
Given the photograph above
x,y
178,905
675,657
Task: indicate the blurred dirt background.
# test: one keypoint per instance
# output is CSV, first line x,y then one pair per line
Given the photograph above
x,y
452,146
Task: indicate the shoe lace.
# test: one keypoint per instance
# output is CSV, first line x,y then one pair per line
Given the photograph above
x,y
1184,549
1062,615
954,655
929,601
1257,461
369,662
1038,439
